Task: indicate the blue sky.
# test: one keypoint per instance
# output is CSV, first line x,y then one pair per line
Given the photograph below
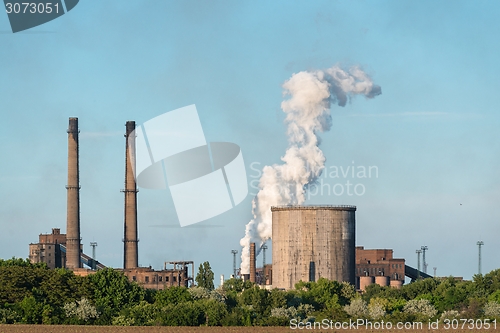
x,y
432,133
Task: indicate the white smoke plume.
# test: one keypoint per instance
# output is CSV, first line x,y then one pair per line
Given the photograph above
x,y
307,113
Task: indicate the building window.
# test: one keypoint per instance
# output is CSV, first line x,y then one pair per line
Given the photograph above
x,y
134,278
160,278
166,278
49,261
147,279
50,254
175,279
49,247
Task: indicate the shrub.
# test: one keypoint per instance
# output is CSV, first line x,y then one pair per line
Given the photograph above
x,y
82,309
492,309
422,308
357,308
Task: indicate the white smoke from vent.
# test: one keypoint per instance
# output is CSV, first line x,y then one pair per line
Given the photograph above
x,y
307,110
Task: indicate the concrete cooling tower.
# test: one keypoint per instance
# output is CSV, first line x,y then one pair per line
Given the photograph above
x,y
310,242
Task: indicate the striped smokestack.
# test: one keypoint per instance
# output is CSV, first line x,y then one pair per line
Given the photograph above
x,y
252,263
73,208
130,254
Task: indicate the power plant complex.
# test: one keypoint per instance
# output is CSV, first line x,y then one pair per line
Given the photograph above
x,y
59,250
308,242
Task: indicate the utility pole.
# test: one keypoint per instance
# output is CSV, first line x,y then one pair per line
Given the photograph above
x,y
234,252
479,244
418,263
93,244
435,268
424,248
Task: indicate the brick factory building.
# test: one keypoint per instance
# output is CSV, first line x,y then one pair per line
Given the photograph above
x,y
47,249
378,266
176,276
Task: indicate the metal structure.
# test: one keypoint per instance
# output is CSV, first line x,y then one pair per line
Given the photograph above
x,y
130,240
73,203
418,252
234,252
435,268
94,245
424,248
414,274
479,244
84,259
182,268
310,242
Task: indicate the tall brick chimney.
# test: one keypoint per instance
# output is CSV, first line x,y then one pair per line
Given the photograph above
x,y
130,240
252,263
73,208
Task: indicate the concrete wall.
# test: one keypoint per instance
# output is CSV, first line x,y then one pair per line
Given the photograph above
x,y
310,242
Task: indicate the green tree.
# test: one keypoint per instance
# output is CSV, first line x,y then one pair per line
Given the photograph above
x,y
277,299
182,314
142,314
257,298
324,294
213,311
19,262
233,285
172,295
31,310
112,291
205,276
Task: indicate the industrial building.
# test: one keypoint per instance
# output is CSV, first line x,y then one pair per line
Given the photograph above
x,y
51,249
310,242
373,266
177,276
378,266
65,250
48,249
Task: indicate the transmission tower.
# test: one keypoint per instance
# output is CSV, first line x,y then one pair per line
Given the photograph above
x,y
479,244
424,248
234,252
418,263
94,245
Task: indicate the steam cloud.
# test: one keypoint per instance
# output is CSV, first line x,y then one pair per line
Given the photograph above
x,y
307,113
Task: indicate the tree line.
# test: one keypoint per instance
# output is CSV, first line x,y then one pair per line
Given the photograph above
x,y
34,294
